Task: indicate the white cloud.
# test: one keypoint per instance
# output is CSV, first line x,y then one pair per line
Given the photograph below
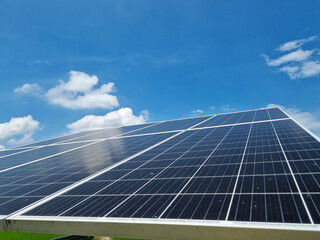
x,y
121,117
2,147
79,93
27,88
298,63
307,119
196,112
295,44
296,56
310,68
18,130
307,69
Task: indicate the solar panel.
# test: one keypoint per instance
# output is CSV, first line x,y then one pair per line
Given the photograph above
x,y
248,174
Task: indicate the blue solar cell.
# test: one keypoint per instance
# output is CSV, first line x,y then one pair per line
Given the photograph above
x,y
257,208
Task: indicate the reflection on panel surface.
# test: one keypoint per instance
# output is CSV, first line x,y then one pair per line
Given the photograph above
x,y
40,179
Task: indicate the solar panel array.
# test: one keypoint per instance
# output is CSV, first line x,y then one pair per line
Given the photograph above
x,y
251,166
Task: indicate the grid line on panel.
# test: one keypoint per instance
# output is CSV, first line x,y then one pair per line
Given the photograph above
x,y
56,139
182,194
71,140
183,177
58,193
173,194
44,158
111,137
237,179
242,123
133,194
181,190
191,127
303,127
182,124
64,141
295,181
22,151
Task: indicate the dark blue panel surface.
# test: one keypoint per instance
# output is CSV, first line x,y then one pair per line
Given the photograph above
x,y
171,125
112,132
91,135
276,113
62,139
54,173
11,151
286,208
34,154
303,154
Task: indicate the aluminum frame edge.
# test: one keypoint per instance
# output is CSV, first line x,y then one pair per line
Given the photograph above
x,y
162,229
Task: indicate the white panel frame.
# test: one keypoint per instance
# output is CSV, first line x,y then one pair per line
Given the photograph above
x,y
162,228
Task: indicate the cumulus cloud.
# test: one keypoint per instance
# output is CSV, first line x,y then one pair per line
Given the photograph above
x,y
196,112
2,147
295,44
31,89
121,117
79,92
298,63
307,119
18,130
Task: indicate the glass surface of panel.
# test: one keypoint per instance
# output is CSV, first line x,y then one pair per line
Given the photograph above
x,y
34,154
170,125
276,113
112,132
45,177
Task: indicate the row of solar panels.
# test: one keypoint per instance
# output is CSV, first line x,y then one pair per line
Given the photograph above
x,y
255,166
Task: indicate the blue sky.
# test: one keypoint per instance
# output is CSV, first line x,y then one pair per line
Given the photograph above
x,y
73,65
